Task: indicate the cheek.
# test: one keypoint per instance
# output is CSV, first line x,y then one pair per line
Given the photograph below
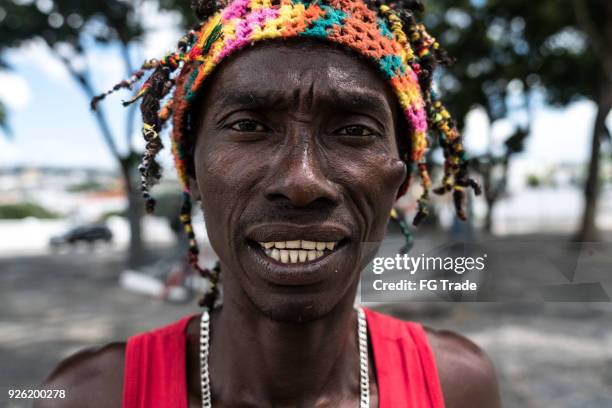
x,y
225,171
225,177
378,176
391,175
373,181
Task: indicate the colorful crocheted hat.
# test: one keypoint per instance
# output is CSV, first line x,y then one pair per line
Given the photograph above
x,y
400,48
350,23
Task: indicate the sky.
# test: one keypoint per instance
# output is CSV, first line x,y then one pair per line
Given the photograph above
x,y
52,125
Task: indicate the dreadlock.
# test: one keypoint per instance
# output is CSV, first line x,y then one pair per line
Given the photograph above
x,y
150,171
395,25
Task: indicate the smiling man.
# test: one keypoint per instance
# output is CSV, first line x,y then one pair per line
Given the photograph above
x,y
296,126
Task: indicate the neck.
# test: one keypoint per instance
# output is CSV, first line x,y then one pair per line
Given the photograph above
x,y
255,360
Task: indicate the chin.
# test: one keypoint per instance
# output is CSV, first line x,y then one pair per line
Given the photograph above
x,y
300,307
295,313
295,309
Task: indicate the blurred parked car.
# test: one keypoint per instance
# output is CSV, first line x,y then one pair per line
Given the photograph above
x,y
85,233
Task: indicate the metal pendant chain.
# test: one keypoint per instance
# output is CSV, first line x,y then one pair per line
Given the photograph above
x,y
362,335
204,345
364,377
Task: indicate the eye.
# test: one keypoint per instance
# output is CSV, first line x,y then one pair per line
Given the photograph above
x,y
248,125
356,130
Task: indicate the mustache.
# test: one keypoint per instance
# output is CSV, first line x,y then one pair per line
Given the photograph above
x,y
302,215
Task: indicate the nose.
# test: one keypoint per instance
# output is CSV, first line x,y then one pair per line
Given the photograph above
x,y
299,177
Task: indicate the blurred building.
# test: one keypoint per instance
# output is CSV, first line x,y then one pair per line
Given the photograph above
x,y
77,193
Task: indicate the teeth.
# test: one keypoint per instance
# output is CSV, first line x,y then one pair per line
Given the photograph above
x,y
300,245
293,244
297,250
309,244
293,255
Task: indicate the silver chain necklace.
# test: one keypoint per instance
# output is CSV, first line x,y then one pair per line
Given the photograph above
x,y
362,335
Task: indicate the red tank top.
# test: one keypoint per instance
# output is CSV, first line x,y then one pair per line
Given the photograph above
x,y
155,373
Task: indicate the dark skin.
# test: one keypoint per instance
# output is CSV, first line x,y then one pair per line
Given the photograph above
x,y
289,150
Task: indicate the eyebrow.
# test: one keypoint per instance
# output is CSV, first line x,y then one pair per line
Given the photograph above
x,y
361,101
346,100
251,99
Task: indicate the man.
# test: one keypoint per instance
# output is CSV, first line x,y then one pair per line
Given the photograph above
x,y
295,127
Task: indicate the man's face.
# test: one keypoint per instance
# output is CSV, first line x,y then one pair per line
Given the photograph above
x,y
297,165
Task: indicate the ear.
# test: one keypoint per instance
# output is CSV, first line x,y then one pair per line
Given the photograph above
x,y
404,187
194,189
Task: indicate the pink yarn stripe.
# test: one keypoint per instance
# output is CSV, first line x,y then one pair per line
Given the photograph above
x,y
417,118
236,9
244,28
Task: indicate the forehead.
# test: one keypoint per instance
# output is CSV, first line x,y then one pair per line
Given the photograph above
x,y
297,69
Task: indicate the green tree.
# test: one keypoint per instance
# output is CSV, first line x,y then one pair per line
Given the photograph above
x,y
559,47
4,126
24,210
594,19
65,26
489,57
3,119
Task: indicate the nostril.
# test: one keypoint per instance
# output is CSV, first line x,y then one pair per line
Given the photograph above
x,y
298,190
284,202
276,197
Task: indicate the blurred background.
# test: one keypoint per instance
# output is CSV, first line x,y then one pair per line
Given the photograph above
x,y
81,265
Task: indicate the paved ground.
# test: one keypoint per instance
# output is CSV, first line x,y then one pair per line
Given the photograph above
x,y
546,354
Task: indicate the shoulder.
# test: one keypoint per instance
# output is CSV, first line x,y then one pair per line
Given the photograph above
x,y
91,378
467,375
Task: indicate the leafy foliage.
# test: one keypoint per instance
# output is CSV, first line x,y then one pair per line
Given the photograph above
x,y
63,21
556,47
24,210
69,27
496,42
3,119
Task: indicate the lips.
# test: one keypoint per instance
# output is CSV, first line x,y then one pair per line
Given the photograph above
x,y
278,232
293,255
